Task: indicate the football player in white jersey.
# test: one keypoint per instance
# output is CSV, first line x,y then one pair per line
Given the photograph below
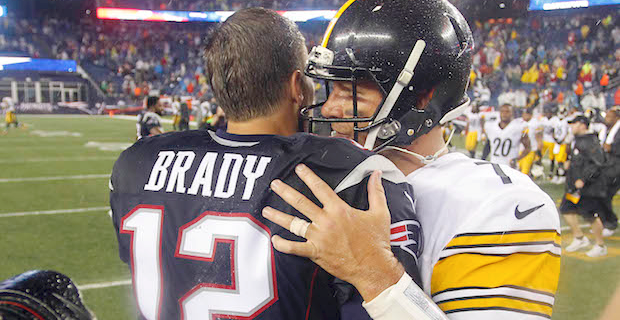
x,y
535,135
9,113
176,111
473,129
549,122
561,135
492,237
506,137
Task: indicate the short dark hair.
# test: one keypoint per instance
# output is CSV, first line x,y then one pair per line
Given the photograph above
x,y
151,102
247,59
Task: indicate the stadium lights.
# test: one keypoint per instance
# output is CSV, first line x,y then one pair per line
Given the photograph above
x,y
565,5
29,64
568,4
204,16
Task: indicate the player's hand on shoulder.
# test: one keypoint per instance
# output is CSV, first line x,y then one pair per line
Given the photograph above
x,y
351,244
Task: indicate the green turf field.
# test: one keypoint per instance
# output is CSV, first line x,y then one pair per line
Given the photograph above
x,y
57,164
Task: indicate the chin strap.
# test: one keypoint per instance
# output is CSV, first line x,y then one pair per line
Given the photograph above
x,y
425,159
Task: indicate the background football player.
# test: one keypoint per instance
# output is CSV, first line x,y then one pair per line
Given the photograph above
x,y
400,69
506,137
187,206
561,135
535,135
10,118
549,122
473,130
176,112
149,121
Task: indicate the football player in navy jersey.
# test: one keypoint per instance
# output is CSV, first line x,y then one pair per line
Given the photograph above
x,y
187,206
149,121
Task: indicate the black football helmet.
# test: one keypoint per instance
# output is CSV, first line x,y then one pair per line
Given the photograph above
x,y
409,48
37,295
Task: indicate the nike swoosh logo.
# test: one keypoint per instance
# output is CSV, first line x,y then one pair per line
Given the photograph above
x,y
522,214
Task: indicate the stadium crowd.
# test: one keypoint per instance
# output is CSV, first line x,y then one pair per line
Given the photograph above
x,y
520,61
517,61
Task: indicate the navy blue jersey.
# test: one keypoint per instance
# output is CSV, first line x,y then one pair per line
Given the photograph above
x,y
146,121
187,211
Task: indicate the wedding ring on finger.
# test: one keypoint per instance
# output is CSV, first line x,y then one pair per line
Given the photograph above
x,y
299,227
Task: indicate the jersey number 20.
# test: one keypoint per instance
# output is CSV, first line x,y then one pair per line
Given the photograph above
x,y
502,147
252,287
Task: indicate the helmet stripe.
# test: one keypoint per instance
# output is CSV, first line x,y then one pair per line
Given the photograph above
x,y
332,24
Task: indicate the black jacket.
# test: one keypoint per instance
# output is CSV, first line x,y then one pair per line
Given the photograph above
x,y
587,163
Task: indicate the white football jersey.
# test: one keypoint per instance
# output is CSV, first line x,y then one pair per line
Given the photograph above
x,y
474,120
533,127
505,142
549,126
492,240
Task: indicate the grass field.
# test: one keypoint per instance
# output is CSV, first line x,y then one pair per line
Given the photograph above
x,y
58,164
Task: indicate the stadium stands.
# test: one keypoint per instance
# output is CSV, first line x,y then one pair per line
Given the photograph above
x,y
129,60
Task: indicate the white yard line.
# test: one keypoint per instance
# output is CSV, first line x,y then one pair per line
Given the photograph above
x,y
12,149
49,212
79,177
102,285
59,159
567,228
43,116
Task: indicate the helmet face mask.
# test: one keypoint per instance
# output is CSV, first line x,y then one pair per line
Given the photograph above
x,y
411,50
320,66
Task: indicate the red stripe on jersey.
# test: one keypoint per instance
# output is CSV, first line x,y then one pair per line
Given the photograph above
x,y
403,238
316,270
398,229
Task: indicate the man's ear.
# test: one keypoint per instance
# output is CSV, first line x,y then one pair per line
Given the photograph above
x,y
296,87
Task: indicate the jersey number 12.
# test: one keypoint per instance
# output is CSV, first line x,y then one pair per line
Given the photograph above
x,y
253,278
